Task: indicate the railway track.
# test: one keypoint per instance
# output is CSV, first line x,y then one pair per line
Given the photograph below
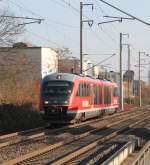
x,y
94,133
20,137
107,150
80,147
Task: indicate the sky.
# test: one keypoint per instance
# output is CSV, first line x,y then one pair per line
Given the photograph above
x,y
61,28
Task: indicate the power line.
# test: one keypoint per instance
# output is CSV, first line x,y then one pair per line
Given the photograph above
x,y
100,62
96,34
46,39
48,21
71,6
106,33
58,3
124,12
35,14
103,12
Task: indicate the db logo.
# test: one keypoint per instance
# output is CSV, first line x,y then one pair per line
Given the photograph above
x,y
85,103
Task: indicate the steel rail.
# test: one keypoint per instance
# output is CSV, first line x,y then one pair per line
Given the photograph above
x,y
61,143
117,152
88,147
5,136
25,138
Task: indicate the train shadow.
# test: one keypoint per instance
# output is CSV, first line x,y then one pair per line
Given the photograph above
x,y
142,133
62,134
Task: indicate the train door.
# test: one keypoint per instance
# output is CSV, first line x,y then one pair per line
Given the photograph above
x,y
97,95
92,95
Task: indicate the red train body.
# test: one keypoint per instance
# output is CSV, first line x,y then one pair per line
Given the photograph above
x,y
72,97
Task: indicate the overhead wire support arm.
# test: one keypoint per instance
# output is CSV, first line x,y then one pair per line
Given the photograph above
x,y
35,20
88,4
100,23
90,22
118,19
130,15
107,16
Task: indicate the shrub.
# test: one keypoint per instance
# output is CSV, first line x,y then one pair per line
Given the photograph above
x,y
18,118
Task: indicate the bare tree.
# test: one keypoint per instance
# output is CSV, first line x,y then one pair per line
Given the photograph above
x,y
10,28
63,53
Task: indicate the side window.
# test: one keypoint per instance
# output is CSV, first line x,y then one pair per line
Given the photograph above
x,y
115,94
105,95
83,90
109,95
79,90
88,89
100,92
95,94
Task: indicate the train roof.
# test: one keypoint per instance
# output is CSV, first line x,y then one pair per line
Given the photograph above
x,y
72,77
61,76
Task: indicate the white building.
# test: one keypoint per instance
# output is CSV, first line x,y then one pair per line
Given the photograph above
x,y
88,68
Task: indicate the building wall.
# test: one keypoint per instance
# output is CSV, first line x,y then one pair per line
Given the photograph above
x,y
21,71
128,89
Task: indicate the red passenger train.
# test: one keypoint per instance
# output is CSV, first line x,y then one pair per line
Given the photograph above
x,y
70,97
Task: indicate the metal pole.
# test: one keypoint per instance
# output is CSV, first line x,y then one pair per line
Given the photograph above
x,y
129,63
121,77
128,71
81,33
140,79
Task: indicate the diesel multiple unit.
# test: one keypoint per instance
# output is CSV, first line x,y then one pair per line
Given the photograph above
x,y
70,97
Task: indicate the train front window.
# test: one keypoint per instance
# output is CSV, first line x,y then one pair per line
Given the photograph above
x,y
58,89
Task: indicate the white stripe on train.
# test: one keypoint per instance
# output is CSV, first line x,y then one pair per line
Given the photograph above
x,y
91,109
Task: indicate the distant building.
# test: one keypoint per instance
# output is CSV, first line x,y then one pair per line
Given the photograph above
x,y
128,75
88,68
149,75
72,65
102,73
115,77
69,65
21,69
144,88
128,81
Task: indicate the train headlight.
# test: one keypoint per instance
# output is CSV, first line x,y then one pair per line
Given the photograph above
x,y
45,102
66,102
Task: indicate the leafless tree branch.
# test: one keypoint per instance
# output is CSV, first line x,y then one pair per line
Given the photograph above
x,y
9,28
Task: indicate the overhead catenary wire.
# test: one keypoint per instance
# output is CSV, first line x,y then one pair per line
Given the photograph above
x,y
46,39
96,34
126,13
48,22
67,3
106,59
35,14
109,34
104,13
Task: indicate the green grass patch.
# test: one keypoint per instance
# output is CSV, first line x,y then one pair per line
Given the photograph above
x,y
18,118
